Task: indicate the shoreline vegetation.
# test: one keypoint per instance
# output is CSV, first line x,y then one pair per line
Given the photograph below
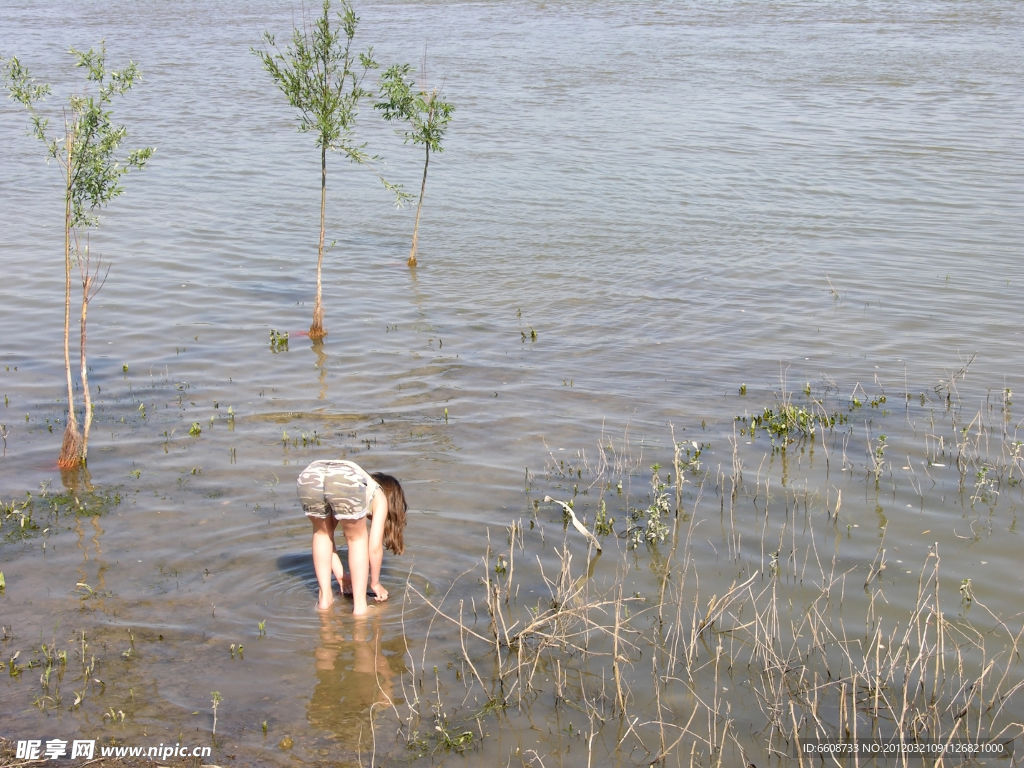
x,y
623,644
802,646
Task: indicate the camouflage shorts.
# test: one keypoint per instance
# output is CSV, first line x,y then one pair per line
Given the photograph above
x,y
339,488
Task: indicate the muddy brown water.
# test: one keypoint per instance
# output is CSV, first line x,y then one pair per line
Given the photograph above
x,y
678,199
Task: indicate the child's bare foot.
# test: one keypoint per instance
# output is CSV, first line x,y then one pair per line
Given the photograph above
x,y
323,605
346,586
359,605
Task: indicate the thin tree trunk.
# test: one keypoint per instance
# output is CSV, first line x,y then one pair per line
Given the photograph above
x,y
316,330
70,451
72,419
419,207
87,415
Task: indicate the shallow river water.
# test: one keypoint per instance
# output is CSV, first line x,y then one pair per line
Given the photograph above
x,y
646,214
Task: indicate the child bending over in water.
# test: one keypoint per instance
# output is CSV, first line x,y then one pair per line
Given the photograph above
x,y
335,492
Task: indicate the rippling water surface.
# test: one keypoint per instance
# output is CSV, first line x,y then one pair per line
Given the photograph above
x,y
677,198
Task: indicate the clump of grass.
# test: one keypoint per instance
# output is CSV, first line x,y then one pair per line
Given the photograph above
x,y
603,524
876,456
790,422
648,525
450,741
689,462
42,671
305,439
278,341
16,519
38,514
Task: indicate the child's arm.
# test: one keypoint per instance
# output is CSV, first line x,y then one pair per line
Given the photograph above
x,y
379,507
339,573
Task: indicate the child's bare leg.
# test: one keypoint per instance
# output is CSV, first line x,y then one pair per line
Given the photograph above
x,y
323,551
336,567
358,561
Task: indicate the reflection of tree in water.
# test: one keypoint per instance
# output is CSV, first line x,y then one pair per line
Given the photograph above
x,y
77,481
321,365
78,487
101,582
356,668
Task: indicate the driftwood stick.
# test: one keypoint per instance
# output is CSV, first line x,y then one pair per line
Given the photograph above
x,y
576,523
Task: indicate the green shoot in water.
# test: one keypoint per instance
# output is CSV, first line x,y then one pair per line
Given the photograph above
x,y
217,699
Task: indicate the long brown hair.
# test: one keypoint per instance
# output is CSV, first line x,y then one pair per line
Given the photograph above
x,y
394,525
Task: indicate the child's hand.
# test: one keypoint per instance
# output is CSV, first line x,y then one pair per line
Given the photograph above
x,y
379,593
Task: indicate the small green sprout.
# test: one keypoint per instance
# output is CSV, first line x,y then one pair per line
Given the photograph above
x,y
217,699
603,525
278,341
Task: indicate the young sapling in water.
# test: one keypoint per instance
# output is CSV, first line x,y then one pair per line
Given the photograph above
x,y
322,78
426,113
86,153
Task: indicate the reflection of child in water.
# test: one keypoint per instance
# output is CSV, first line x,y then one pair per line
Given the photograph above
x,y
356,670
335,492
